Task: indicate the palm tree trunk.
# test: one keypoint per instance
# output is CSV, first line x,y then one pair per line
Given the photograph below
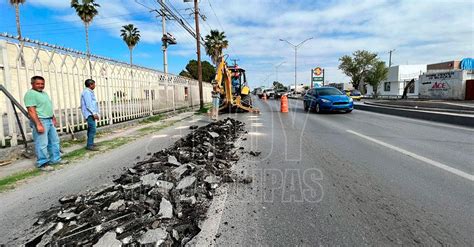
x,y
87,48
131,56
17,13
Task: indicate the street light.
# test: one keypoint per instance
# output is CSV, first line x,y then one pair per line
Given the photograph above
x,y
276,68
296,52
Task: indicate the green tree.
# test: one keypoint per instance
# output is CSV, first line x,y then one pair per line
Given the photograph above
x,y
208,71
215,43
86,10
358,66
131,36
278,85
376,75
16,4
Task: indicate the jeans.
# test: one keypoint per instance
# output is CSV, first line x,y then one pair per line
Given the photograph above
x,y
46,143
91,130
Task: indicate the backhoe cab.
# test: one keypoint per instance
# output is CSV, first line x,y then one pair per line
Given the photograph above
x,y
232,86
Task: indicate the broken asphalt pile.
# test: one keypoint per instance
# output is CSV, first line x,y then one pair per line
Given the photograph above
x,y
160,201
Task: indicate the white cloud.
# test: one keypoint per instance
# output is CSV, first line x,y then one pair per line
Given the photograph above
x,y
423,31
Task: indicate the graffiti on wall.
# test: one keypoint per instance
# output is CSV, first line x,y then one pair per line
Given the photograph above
x,y
443,85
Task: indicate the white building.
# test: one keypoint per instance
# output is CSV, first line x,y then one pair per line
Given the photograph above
x,y
398,77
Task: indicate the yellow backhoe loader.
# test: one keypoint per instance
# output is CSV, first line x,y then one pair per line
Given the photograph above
x,y
232,86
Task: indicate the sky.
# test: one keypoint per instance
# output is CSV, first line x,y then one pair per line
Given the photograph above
x,y
419,32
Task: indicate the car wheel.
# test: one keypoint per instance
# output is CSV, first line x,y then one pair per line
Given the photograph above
x,y
305,106
348,111
317,108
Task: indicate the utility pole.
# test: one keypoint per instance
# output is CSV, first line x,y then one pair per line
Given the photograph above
x,y
198,47
165,44
390,58
296,55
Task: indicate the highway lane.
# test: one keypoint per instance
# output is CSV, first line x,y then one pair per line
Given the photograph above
x,y
369,193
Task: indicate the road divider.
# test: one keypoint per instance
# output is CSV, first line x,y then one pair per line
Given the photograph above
x,y
418,157
443,117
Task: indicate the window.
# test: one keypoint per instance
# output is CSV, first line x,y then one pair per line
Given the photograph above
x,y
386,86
328,91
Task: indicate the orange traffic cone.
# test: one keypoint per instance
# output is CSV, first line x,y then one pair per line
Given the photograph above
x,y
284,103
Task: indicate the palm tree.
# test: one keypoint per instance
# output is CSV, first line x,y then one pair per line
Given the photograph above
x,y
215,43
86,11
131,35
16,4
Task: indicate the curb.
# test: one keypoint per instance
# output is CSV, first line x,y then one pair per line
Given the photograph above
x,y
443,117
420,108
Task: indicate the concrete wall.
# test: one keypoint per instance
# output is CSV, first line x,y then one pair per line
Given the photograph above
x,y
447,84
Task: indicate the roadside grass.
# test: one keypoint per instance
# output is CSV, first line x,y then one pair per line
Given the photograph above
x,y
204,110
150,129
152,119
9,182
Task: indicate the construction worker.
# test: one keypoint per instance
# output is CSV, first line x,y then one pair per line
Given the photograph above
x,y
215,103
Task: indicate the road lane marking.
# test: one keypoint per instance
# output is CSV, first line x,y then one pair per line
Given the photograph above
x,y
418,157
210,226
182,127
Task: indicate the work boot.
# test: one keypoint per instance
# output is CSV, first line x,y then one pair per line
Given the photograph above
x,y
46,168
61,162
93,148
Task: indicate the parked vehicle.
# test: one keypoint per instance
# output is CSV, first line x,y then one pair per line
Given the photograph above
x,y
354,94
279,93
327,99
269,92
257,91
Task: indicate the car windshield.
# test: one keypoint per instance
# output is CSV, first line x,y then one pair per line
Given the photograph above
x,y
329,91
355,93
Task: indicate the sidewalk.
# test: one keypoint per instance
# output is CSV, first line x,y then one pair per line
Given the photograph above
x,y
73,150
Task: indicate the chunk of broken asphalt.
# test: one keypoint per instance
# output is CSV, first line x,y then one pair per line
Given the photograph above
x,y
173,161
254,153
154,237
166,209
109,239
186,182
142,202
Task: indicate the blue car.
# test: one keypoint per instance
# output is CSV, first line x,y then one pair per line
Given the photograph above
x,y
327,99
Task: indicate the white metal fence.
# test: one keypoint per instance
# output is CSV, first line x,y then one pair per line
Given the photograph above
x,y
123,92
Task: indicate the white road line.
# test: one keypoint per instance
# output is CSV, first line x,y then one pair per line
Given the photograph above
x,y
418,157
210,226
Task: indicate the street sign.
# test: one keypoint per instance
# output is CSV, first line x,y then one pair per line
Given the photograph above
x,y
317,75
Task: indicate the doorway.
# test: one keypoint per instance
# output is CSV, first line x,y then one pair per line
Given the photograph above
x,y
470,90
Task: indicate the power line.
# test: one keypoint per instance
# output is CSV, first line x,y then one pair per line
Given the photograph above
x,y
218,21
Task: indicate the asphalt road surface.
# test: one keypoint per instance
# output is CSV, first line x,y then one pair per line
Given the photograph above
x,y
321,179
350,179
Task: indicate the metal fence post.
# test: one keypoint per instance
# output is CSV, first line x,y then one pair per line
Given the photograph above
x,y
8,86
150,98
